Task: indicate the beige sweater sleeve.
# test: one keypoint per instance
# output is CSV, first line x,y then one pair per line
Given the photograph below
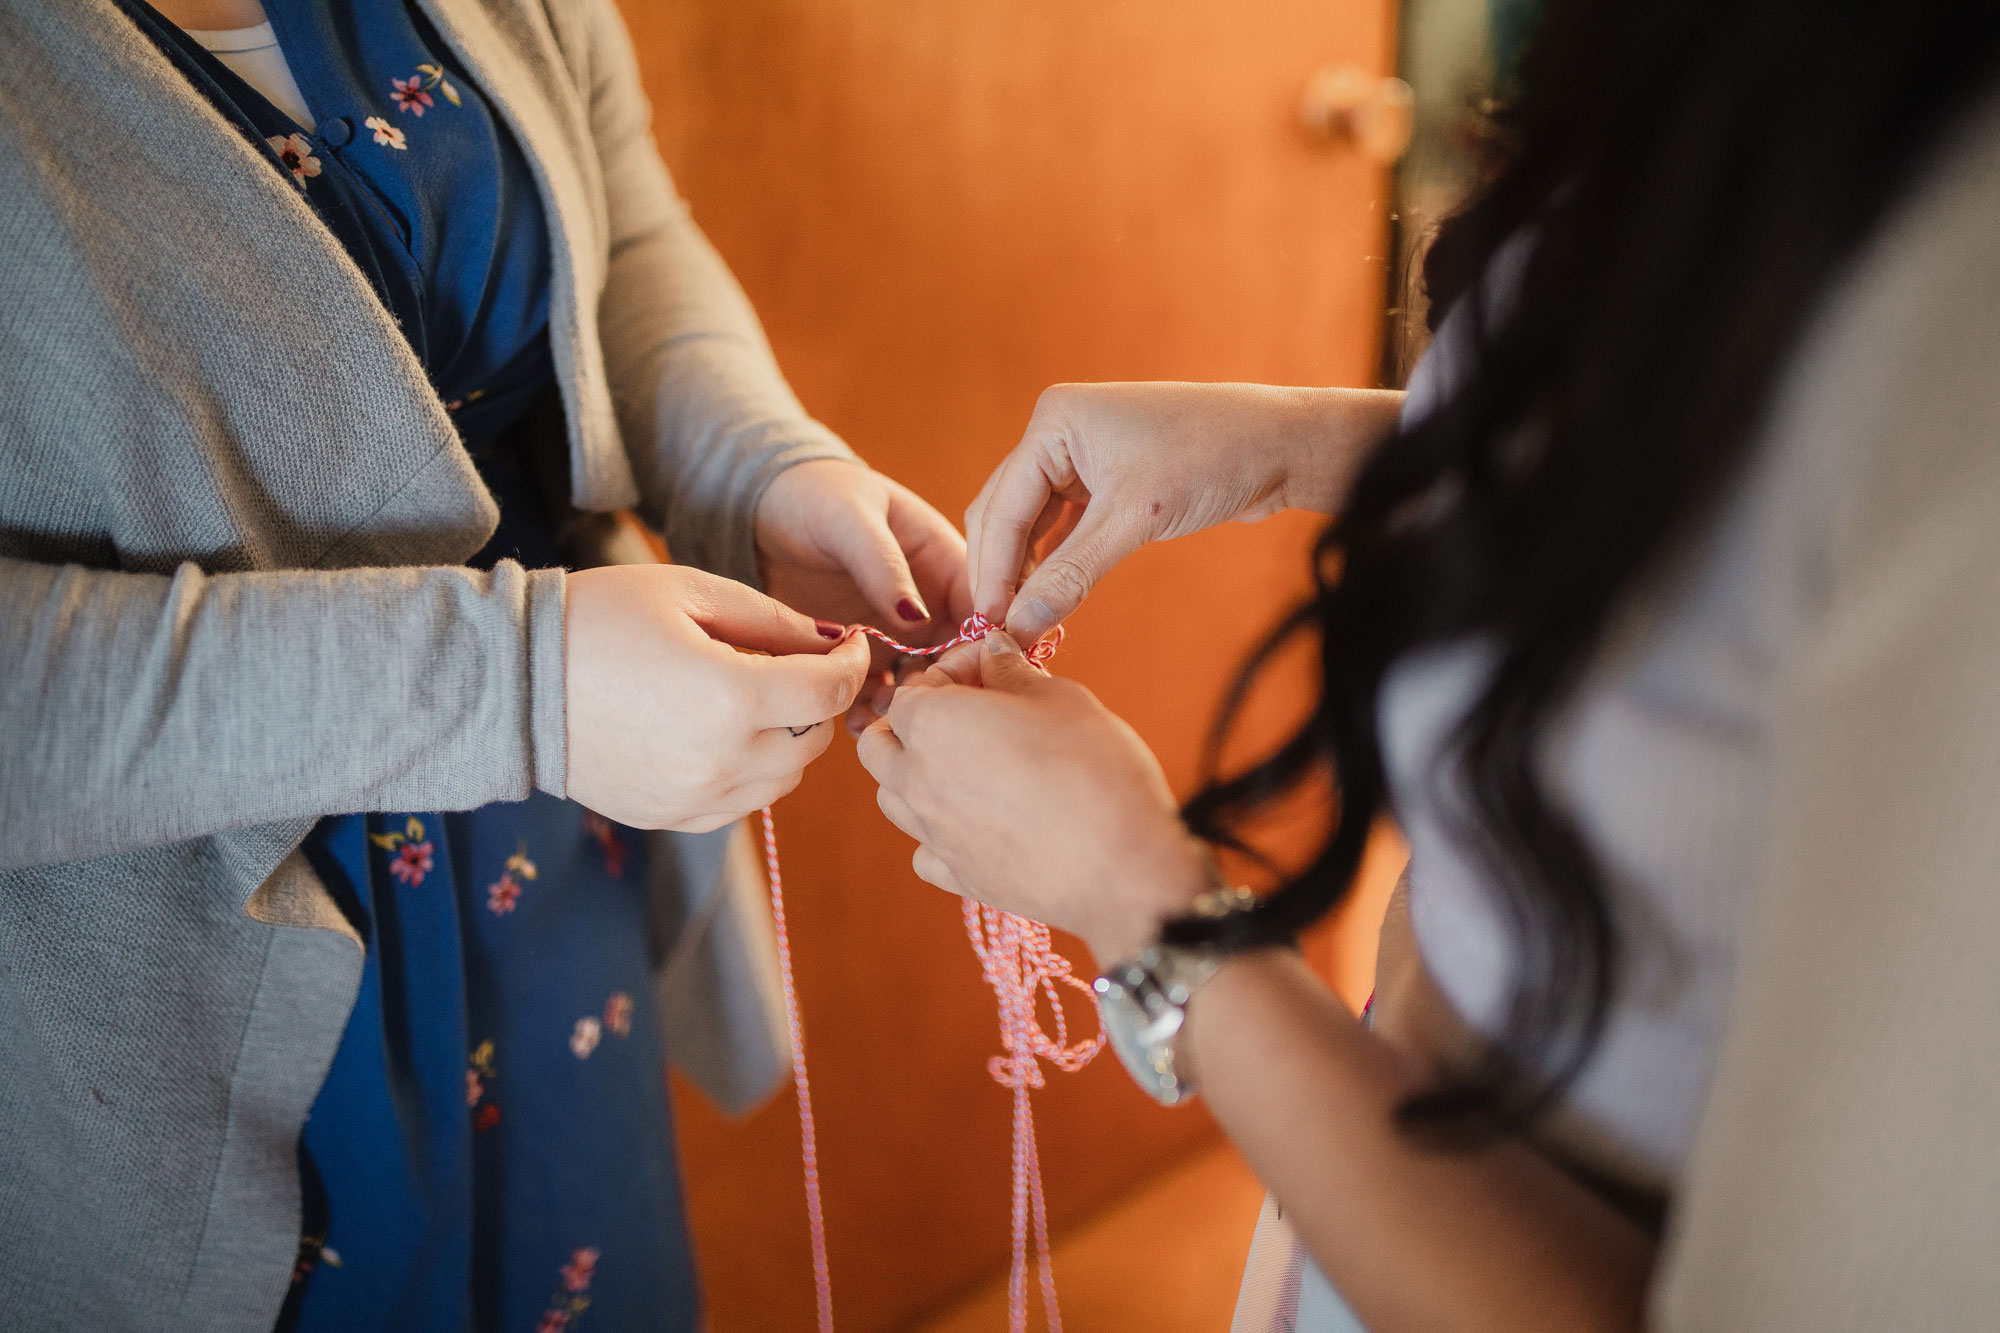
x,y
1847,1171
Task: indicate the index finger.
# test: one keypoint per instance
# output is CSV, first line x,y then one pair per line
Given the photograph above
x,y
741,617
975,517
799,689
1020,490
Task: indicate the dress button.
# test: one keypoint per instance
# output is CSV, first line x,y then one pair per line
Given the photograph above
x,y
336,132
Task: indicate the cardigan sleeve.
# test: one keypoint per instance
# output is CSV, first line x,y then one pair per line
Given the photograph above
x,y
1846,1175
706,415
139,709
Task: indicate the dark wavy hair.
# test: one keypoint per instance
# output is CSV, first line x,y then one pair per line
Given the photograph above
x,y
1689,177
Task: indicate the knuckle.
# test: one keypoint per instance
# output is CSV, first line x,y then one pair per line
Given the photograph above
x,y
1056,397
1072,695
1064,578
868,748
905,710
830,698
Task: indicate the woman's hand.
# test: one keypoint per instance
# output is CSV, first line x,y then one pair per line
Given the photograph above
x,y
1027,793
670,726
1105,468
840,541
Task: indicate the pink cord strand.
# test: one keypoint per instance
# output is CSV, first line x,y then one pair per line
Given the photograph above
x,y
808,1140
1020,963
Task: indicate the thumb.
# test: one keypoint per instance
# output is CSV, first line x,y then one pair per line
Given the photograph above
x,y
740,616
1061,582
1003,666
866,547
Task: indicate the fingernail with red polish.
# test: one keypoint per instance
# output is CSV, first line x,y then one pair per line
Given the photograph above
x,y
828,630
911,609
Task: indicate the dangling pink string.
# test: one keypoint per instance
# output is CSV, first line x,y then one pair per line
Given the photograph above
x,y
1019,962
808,1140
1021,965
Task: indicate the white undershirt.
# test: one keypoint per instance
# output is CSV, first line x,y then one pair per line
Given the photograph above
x,y
256,58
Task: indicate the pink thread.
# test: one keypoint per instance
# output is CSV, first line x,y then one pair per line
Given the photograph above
x,y
975,628
808,1140
1020,963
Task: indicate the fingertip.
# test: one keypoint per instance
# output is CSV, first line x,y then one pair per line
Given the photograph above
x,y
1000,643
996,603
852,660
855,646
1030,618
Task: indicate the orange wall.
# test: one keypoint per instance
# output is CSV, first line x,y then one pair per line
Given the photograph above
x,y
940,207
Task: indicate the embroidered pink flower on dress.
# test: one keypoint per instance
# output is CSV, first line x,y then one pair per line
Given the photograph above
x,y
553,1321
385,133
295,151
501,895
409,853
473,1090
584,1039
581,1268
411,863
618,1014
409,95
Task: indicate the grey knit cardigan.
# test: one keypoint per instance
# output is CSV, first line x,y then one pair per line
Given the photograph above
x,y
232,512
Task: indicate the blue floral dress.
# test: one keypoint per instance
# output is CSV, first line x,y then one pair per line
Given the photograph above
x,y
493,1147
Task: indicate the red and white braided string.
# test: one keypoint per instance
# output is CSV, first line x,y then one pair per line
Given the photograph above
x,y
1021,965
808,1141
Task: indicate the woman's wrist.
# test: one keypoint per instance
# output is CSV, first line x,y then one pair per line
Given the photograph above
x,y
1230,972
1154,894
1331,437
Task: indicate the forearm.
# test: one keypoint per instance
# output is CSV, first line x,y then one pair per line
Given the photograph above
x,y
139,709
1414,1237
707,417
1248,447
1328,437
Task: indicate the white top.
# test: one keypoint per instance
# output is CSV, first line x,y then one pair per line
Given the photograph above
x,y
1788,754
1663,759
256,58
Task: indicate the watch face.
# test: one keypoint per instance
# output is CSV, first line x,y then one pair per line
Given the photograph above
x,y
1125,1024
1136,1036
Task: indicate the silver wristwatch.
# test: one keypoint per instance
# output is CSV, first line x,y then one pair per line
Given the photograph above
x,y
1144,1001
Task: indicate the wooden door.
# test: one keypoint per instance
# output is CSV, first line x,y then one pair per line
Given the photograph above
x,y
940,207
